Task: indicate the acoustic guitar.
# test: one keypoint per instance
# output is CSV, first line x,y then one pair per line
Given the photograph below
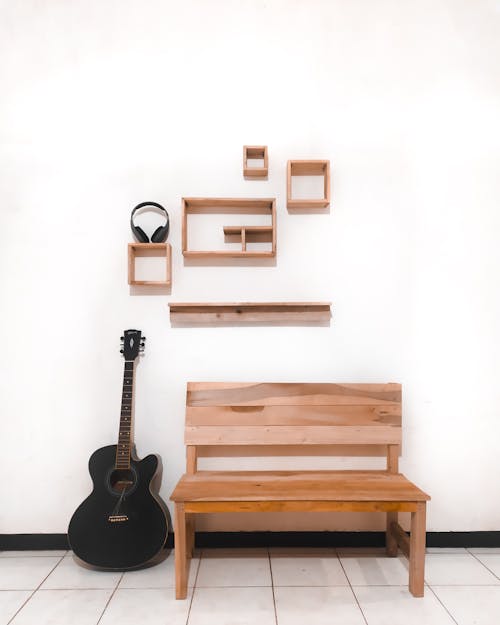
x,y
123,524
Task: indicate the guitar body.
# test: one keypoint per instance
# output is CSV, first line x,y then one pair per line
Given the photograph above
x,y
123,523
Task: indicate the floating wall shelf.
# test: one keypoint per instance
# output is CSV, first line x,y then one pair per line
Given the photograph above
x,y
250,312
308,168
149,249
255,152
241,233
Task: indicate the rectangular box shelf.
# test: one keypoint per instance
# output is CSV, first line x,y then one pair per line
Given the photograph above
x,y
245,233
250,312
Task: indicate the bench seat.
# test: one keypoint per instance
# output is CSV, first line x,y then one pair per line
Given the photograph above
x,y
335,486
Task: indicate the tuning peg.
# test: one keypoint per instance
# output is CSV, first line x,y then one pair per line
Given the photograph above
x,y
121,351
122,338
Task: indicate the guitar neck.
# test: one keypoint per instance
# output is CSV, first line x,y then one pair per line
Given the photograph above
x,y
124,446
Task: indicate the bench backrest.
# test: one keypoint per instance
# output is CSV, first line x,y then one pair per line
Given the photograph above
x,y
229,413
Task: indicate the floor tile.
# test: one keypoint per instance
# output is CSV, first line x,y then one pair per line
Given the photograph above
x,y
146,606
361,551
490,561
10,602
396,606
160,576
70,575
307,567
33,554
479,550
24,573
476,605
317,606
232,606
63,607
441,550
452,569
375,570
234,567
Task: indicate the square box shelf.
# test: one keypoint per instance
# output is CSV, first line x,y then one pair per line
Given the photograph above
x,y
149,249
308,168
255,152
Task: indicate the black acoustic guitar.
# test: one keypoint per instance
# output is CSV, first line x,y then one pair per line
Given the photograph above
x,y
123,524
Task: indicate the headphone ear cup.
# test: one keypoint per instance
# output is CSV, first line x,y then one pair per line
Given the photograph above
x,y
160,234
140,234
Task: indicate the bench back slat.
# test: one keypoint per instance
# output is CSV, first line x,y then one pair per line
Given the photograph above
x,y
292,414
298,394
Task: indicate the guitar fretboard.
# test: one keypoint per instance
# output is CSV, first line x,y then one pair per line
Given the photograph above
x,y
125,433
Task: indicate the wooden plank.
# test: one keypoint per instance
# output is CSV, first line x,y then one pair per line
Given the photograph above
x,y
226,254
191,459
246,312
229,205
181,562
308,167
293,435
299,394
263,415
296,485
391,544
393,458
417,551
298,506
401,537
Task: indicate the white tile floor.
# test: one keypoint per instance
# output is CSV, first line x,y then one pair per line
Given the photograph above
x,y
255,587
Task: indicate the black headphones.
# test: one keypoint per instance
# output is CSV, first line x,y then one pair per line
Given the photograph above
x,y
159,235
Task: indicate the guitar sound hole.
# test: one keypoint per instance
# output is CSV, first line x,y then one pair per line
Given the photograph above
x,y
122,480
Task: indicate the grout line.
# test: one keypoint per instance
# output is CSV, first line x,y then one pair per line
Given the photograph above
x,y
61,558
352,590
111,596
194,584
487,568
445,608
272,586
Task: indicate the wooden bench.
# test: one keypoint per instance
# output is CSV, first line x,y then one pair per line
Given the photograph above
x,y
305,415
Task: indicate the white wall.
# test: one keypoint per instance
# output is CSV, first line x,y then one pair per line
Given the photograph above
x,y
104,104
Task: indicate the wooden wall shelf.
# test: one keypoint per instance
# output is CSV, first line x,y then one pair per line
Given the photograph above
x,y
149,249
255,152
250,312
308,168
243,233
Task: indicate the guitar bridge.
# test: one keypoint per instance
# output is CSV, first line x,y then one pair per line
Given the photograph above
x,y
117,518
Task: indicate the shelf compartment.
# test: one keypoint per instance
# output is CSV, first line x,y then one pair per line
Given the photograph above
x,y
150,249
255,152
250,312
248,234
244,234
308,168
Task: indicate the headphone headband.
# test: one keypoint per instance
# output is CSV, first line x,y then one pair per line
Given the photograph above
x,y
159,235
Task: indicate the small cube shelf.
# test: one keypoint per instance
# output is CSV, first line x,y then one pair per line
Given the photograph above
x,y
250,312
255,152
243,233
308,168
149,249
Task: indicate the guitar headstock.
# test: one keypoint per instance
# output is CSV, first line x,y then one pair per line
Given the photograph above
x,y
132,344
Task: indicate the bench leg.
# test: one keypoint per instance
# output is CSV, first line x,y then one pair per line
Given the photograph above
x,y
391,544
190,526
417,551
181,562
